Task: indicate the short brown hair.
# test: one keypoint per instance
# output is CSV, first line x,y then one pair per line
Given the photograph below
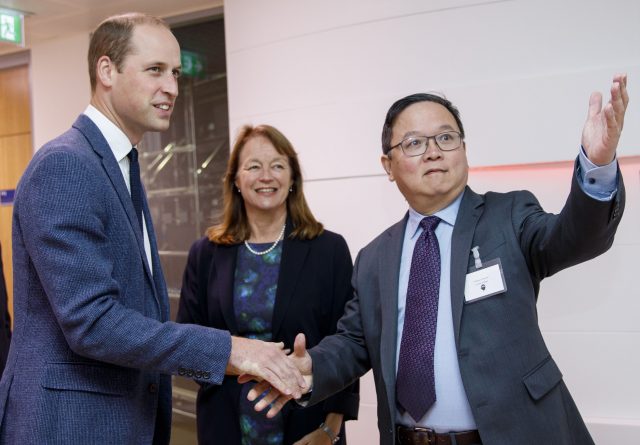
x,y
234,227
112,38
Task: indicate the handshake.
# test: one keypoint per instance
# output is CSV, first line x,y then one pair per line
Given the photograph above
x,y
280,374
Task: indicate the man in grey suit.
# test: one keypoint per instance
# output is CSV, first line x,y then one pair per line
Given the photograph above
x,y
93,350
479,371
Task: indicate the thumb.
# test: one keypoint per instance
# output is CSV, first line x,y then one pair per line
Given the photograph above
x,y
300,346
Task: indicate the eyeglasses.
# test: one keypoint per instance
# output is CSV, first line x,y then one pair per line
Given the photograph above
x,y
417,145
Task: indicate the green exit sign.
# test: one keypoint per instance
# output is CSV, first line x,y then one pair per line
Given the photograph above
x,y
193,64
11,27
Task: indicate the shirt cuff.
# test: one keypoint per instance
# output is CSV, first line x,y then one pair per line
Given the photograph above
x,y
599,182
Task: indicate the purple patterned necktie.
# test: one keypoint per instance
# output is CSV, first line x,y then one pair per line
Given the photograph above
x,y
415,383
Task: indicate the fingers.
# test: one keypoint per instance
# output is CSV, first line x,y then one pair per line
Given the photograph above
x,y
619,97
595,105
257,389
286,385
266,361
245,378
612,124
276,407
270,397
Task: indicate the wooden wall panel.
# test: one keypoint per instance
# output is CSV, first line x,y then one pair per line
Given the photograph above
x,y
15,106
15,152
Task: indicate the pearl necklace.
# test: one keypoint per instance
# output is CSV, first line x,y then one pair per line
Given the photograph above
x,y
273,246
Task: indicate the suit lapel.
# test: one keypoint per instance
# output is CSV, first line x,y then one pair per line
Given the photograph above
x,y
388,273
111,167
470,210
221,279
294,254
157,282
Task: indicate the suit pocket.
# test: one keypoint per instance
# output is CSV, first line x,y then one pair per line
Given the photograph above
x,y
88,377
542,379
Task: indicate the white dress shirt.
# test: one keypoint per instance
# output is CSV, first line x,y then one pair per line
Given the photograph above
x,y
120,146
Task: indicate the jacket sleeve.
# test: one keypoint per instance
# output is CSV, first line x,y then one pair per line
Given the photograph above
x,y
347,401
584,229
103,311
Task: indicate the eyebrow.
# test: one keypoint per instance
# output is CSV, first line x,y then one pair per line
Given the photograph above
x,y
279,158
443,127
164,65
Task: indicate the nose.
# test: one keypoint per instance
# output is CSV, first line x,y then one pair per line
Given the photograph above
x,y
170,85
266,175
433,151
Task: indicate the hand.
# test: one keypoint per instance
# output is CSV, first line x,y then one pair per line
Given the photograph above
x,y
315,437
602,129
275,398
333,421
268,363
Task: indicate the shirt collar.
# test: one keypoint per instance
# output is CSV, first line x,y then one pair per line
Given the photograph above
x,y
118,141
447,215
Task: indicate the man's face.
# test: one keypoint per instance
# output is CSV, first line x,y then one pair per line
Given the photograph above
x,y
144,91
433,180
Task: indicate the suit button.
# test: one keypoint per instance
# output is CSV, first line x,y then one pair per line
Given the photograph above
x,y
206,375
153,388
181,371
189,372
198,374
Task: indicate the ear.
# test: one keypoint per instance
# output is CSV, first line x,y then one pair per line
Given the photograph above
x,y
105,70
386,164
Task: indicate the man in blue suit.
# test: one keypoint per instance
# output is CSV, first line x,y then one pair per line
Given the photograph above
x,y
93,350
470,367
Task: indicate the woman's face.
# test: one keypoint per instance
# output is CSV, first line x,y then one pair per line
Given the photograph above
x,y
263,177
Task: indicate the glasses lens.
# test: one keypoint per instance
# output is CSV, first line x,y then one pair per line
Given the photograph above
x,y
414,146
448,141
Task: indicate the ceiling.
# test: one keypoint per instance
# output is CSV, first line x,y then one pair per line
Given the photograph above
x,y
51,19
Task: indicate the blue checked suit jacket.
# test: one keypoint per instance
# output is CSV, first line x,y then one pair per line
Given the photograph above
x,y
92,351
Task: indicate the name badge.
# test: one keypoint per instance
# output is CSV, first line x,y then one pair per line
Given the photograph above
x,y
484,280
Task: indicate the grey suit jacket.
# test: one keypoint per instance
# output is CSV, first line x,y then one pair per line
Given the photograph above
x,y
92,350
514,387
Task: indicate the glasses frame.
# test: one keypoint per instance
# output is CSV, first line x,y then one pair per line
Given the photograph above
x,y
426,147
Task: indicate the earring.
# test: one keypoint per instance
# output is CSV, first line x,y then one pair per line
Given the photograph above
x,y
290,189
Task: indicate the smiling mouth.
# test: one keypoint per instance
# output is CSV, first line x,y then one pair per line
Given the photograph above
x,y
266,190
165,107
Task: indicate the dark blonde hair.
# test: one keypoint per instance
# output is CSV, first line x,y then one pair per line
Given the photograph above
x,y
112,38
234,227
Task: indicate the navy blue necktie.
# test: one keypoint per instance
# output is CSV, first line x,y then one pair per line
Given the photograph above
x,y
415,381
135,184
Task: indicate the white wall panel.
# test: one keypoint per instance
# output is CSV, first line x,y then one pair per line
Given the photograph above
x,y
263,24
521,72
601,378
60,85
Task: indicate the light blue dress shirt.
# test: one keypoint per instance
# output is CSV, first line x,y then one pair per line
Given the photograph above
x,y
451,411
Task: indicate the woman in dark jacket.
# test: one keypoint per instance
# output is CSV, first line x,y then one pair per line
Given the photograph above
x,y
268,271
